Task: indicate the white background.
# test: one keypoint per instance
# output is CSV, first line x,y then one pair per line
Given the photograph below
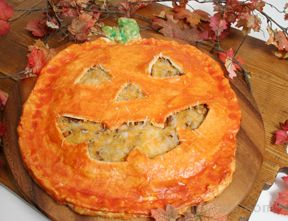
x,y
14,209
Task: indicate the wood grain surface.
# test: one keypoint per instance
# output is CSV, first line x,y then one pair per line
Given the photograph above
x,y
269,87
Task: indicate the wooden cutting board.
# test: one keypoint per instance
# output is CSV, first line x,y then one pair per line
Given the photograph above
x,y
250,143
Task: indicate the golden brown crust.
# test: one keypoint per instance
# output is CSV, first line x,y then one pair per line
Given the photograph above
x,y
194,172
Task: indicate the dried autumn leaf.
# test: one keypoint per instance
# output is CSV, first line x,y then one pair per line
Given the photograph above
x,y
285,178
66,10
230,62
129,7
281,135
81,26
169,214
3,98
218,24
4,27
39,55
280,205
203,213
180,3
6,11
281,54
256,5
38,26
248,22
52,23
170,27
193,18
281,40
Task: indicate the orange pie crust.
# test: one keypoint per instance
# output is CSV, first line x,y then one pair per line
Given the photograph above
x,y
199,168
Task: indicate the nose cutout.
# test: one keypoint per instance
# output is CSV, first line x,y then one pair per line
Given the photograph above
x,y
95,75
129,91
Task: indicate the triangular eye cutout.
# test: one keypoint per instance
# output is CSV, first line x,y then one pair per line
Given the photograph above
x,y
130,91
163,67
95,75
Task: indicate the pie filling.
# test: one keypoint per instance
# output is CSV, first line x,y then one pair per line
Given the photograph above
x,y
130,91
109,145
163,67
95,75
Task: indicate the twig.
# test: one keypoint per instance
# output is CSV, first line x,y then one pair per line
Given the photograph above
x,y
285,30
240,45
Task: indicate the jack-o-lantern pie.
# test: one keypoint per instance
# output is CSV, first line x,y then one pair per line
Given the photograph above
x,y
118,130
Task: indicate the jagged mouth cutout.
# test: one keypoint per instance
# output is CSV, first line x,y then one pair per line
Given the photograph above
x,y
114,145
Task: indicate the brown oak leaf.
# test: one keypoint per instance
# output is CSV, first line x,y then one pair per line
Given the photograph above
x,y
191,17
169,214
203,213
80,27
170,27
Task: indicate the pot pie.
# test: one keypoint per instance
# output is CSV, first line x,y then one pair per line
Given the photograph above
x,y
117,130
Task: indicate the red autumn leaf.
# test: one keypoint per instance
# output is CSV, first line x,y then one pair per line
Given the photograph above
x,y
280,205
81,26
3,98
6,11
36,60
281,135
230,62
38,26
2,129
170,27
169,214
218,24
39,55
4,27
285,179
66,10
